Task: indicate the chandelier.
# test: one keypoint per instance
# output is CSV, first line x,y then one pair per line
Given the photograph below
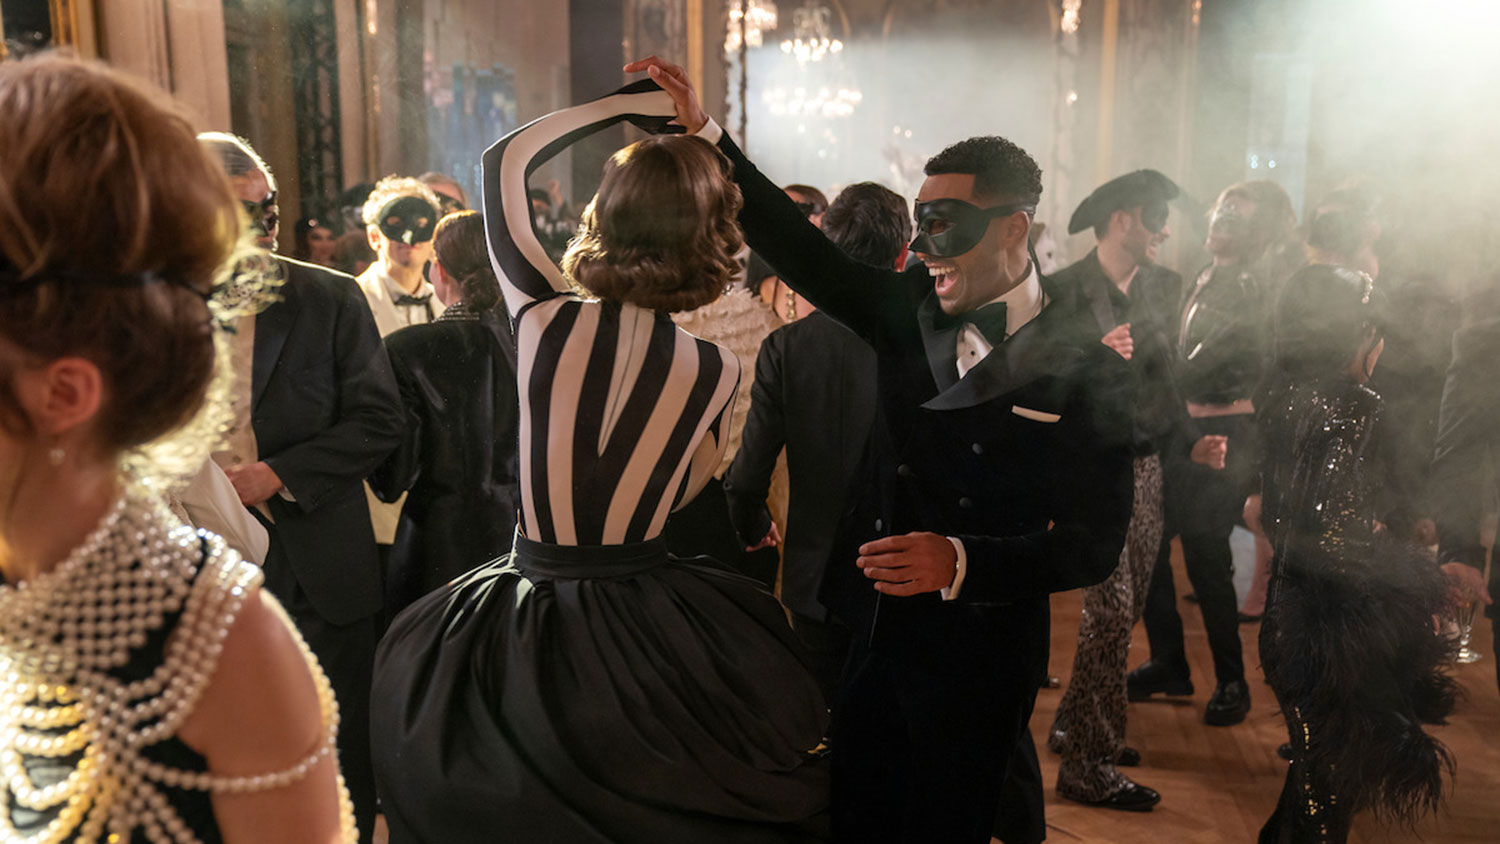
x,y
824,102
757,16
810,40
1070,15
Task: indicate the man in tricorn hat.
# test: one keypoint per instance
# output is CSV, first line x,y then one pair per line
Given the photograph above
x,y
1133,303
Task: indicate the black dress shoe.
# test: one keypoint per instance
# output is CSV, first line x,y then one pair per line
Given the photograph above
x,y
1134,797
1229,705
1154,677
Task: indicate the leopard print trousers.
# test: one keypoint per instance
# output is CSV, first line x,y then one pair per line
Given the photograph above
x,y
1089,729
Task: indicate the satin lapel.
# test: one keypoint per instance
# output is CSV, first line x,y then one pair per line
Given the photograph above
x,y
1027,355
941,344
272,327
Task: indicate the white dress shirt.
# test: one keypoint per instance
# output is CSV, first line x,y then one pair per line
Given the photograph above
x,y
239,447
382,292
1022,303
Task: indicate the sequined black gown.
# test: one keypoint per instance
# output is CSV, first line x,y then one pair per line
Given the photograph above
x,y
1347,642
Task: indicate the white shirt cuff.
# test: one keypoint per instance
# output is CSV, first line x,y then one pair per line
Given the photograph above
x,y
711,132
958,571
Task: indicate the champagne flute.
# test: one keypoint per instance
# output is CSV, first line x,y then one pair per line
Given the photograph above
x,y
1464,615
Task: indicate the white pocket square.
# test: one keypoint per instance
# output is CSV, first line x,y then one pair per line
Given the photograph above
x,y
1034,415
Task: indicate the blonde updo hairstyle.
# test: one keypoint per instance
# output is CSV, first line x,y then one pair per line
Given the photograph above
x,y
661,232
102,184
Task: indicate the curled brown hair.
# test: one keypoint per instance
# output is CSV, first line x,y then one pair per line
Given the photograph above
x,y
661,232
464,255
113,227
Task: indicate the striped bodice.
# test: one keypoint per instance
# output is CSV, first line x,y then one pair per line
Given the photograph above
x,y
623,415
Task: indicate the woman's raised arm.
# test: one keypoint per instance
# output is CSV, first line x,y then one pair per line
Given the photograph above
x,y
526,273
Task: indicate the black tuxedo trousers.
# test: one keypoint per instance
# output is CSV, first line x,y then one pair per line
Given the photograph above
x,y
931,735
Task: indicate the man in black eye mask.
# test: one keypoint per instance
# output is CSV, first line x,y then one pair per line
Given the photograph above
x,y
313,409
998,472
400,216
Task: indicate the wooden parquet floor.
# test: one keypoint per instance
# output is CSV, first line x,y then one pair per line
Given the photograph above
x,y
1219,784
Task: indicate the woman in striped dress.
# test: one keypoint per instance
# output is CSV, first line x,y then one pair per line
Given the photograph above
x,y
589,688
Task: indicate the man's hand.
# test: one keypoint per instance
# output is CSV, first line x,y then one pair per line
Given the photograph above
x,y
1211,451
771,540
909,564
1119,339
1466,583
674,80
255,482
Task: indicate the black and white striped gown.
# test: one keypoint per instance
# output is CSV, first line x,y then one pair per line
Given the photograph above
x,y
588,688
623,415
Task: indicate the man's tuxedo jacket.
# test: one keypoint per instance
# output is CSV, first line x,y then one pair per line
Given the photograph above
x,y
814,393
325,412
1026,459
1162,423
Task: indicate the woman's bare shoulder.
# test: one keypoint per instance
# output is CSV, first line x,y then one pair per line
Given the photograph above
x,y
260,712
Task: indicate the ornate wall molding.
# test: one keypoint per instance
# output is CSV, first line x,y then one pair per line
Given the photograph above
x,y
315,98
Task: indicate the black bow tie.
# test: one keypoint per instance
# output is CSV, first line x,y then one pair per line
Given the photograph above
x,y
990,320
404,299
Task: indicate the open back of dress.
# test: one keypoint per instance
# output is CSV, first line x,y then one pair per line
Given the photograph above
x,y
623,415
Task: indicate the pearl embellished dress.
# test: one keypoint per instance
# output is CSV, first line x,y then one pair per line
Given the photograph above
x,y
103,659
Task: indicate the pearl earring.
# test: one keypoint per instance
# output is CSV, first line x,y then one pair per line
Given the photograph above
x,y
56,455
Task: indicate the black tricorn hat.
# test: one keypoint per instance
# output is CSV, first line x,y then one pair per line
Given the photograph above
x,y
1139,188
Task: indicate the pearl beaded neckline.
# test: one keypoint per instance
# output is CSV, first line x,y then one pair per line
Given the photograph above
x,y
62,632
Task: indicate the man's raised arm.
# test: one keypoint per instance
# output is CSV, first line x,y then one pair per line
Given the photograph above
x,y
856,294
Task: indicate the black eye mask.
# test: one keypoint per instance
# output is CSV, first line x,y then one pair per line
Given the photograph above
x,y
408,219
947,228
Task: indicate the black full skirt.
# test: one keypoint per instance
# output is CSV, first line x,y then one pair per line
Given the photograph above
x,y
593,694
